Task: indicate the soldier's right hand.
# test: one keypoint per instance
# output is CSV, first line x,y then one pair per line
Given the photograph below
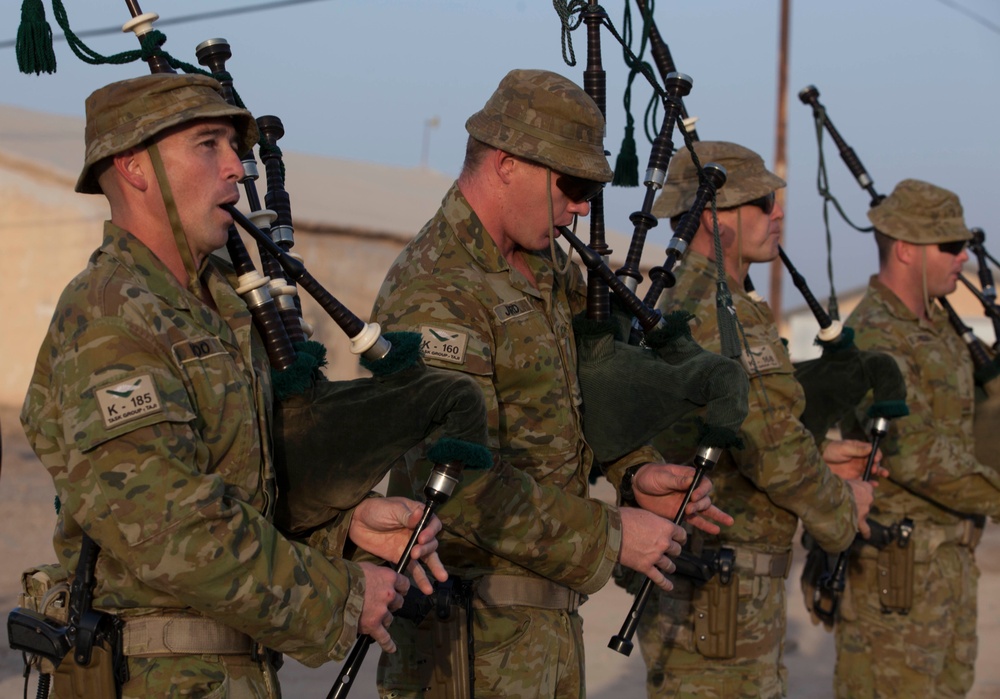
x,y
384,591
647,542
863,492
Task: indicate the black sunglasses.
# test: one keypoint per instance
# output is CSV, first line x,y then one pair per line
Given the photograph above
x,y
578,189
955,247
764,203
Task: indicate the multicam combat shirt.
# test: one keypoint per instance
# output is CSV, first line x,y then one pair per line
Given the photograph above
x,y
933,473
478,315
779,476
142,409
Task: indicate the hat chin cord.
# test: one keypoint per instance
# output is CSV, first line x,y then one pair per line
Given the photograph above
x,y
552,224
180,237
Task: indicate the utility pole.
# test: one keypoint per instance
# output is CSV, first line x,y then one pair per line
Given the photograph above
x,y
425,149
780,159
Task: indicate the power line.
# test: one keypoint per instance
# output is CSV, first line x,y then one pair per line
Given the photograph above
x,y
184,19
974,16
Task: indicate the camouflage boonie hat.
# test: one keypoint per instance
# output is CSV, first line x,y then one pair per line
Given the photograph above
x,y
545,118
921,213
746,178
127,113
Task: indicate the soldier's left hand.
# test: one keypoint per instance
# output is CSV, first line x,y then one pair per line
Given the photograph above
x,y
383,526
847,458
660,488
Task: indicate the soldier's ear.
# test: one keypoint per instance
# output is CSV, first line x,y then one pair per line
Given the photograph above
x,y
503,164
133,168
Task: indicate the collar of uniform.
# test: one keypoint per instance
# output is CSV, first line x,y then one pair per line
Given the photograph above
x,y
892,303
135,255
476,240
472,234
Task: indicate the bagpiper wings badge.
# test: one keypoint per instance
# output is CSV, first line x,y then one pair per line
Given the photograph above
x,y
445,345
129,400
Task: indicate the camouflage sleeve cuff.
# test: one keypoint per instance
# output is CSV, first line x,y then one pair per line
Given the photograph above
x,y
344,629
643,455
612,550
332,537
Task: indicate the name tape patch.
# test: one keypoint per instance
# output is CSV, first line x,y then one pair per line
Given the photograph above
x,y
130,400
194,350
446,345
512,309
764,359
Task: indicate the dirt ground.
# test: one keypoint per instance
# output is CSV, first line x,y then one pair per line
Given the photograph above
x,y
27,515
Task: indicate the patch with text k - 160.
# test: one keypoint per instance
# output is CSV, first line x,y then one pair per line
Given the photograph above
x,y
446,345
512,309
761,358
131,399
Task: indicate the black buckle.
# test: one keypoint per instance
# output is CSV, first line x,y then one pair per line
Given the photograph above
x,y
725,561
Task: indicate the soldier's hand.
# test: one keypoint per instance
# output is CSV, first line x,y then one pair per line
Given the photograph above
x,y
660,488
863,496
647,542
847,458
384,591
383,526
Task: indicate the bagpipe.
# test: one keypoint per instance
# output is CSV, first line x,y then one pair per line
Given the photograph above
x,y
333,440
640,372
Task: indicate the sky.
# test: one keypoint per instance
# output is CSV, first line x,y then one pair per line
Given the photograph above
x,y
912,85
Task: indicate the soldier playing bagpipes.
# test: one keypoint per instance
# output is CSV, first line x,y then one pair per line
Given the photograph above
x,y
151,406
494,298
916,603
723,636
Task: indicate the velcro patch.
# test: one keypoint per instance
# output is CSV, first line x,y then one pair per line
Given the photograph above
x,y
194,350
919,338
129,400
763,359
445,345
512,309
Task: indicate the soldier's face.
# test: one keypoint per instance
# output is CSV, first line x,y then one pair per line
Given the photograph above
x,y
528,215
203,168
761,227
943,269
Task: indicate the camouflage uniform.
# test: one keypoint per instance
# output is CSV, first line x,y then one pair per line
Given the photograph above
x,y
452,285
151,411
935,480
778,478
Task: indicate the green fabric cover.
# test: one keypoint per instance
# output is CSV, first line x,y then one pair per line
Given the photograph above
x,y
837,381
632,393
338,439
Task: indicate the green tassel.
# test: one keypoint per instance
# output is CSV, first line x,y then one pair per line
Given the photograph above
x,y
627,165
405,353
726,316
890,409
472,456
34,40
298,378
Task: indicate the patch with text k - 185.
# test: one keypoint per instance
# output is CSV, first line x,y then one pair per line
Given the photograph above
x,y
446,345
128,400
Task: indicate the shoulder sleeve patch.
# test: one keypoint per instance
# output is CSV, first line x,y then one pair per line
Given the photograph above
x,y
443,345
760,358
128,400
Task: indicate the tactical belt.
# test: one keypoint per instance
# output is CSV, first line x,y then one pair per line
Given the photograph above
x,y
163,635
768,565
522,591
963,533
